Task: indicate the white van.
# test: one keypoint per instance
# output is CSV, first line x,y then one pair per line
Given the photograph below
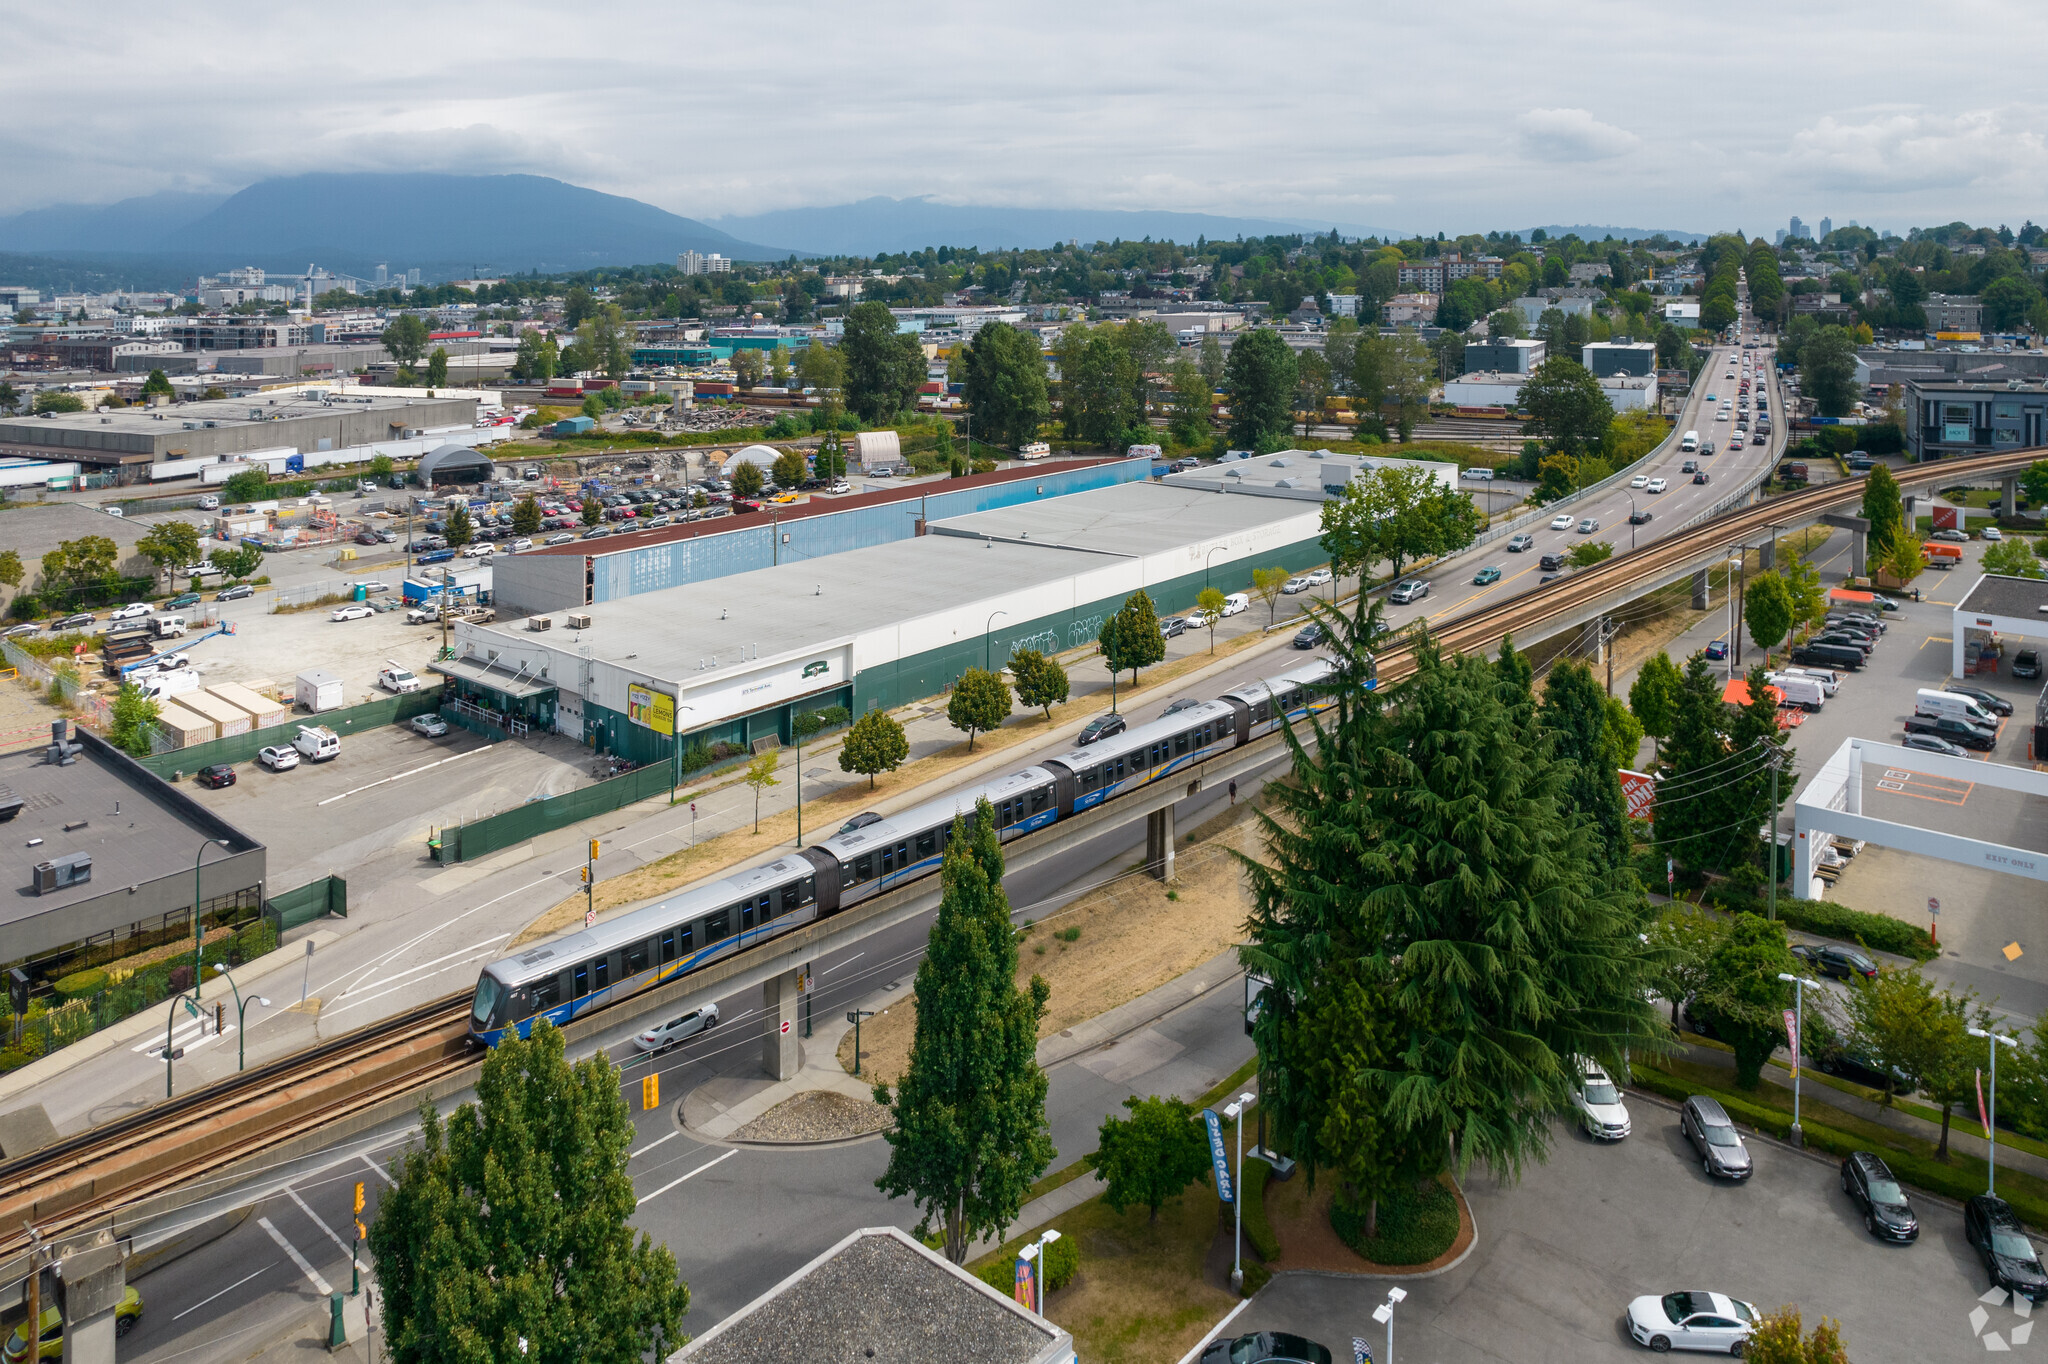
x,y
1803,692
1690,442
1953,705
319,743
1236,602
160,686
1830,680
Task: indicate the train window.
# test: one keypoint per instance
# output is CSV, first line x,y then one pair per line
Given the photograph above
x,y
808,890
636,958
1225,723
1120,769
716,927
1089,778
888,860
864,867
1180,745
766,906
582,982
847,875
927,844
790,898
1039,800
746,915
902,856
668,947
602,970
547,993
1202,737
685,937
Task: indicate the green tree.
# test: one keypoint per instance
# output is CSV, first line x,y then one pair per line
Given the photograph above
x,y
461,530
1767,609
1003,382
2033,482
381,467
2014,558
505,1236
81,564
1743,998
1212,365
876,743
11,571
247,485
1427,833
1684,940
1777,1340
1398,512
157,385
134,711
1261,375
170,545
1827,371
1266,585
980,702
239,562
1151,1156
607,339
1099,383
969,1136
537,358
1621,736
526,516
761,776
748,367
747,480
1210,603
51,400
1189,422
1908,1026
1884,507
1131,638
2006,302
1586,553
1567,407
884,367
1342,1044
593,407
1574,715
405,338
593,510
437,367
821,367
1041,681
791,469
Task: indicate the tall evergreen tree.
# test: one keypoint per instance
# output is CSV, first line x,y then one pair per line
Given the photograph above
x,y
1654,696
969,1136
1574,714
1696,757
1884,507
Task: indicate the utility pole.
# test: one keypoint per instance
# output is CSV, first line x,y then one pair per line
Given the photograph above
x,y
1607,633
32,1328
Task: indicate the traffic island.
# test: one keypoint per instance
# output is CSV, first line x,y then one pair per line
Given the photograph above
x,y
1419,1234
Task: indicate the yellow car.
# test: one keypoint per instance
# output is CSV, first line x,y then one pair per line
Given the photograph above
x,y
783,498
125,1316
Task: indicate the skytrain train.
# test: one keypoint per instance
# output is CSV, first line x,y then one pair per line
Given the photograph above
x,y
574,973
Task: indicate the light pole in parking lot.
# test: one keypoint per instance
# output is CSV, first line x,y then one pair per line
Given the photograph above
x,y
985,629
1798,1033
1994,1041
1384,1314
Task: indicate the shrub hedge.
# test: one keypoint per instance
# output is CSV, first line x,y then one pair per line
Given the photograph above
x,y
1416,1226
1062,1262
1879,932
1257,1229
80,984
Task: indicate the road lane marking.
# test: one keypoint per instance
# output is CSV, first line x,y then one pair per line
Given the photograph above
x,y
339,1244
416,939
690,1176
475,946
313,1275
229,1289
848,962
400,775
366,999
652,1144
377,1169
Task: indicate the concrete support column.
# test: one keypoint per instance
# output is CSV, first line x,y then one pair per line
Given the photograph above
x,y
781,1056
92,1279
2012,495
1159,844
1912,504
1859,554
1702,594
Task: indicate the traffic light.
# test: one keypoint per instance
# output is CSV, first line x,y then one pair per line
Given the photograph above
x,y
359,1197
650,1092
593,850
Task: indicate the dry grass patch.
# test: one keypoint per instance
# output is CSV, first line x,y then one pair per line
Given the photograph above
x,y
1128,938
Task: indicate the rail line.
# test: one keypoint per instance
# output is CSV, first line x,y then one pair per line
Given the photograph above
x,y
89,1177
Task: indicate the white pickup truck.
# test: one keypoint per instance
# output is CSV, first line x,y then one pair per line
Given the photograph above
x,y
396,678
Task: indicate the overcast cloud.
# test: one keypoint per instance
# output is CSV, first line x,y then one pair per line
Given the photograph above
x,y
1463,118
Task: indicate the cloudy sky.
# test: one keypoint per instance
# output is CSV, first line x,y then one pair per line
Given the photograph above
x,y
1463,117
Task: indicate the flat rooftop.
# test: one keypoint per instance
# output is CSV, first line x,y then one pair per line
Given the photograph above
x,y
223,412
1130,518
1951,805
1300,469
2022,598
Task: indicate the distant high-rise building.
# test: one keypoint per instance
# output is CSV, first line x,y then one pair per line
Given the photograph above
x,y
1827,225
1780,239
690,263
382,274
412,277
1797,229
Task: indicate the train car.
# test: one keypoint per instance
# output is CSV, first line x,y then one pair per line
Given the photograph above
x,y
565,977
882,854
1294,695
1124,762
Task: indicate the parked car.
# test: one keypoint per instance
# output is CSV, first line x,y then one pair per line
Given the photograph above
x,y
1990,701
17,631
1954,730
1295,585
1408,590
78,620
1960,537
1706,1125
1562,521
1172,626
353,611
1887,1212
1486,575
1316,577
134,610
1309,636
1928,743
562,538
1850,1064
181,601
215,775
1693,1320
1521,542
235,593
662,1036
1831,959
436,556
279,757
2026,663
433,726
1598,1101
1994,1231
1101,727
1265,1347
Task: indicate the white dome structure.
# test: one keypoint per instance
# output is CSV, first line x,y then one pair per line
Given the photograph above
x,y
763,455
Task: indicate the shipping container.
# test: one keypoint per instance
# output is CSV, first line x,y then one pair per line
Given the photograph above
x,y
262,709
184,728
230,719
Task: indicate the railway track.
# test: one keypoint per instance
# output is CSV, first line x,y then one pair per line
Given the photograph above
x,y
86,1179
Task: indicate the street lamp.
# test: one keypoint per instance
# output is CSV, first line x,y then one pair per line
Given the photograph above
x,y
1035,1255
1234,1112
1384,1314
241,1016
985,629
170,1024
198,927
1993,1040
1798,1035
1205,562
1631,518
1734,627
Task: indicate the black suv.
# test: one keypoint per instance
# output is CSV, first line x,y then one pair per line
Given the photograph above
x,y
1994,1232
2026,663
1887,1213
1101,727
1832,959
1550,563
1954,730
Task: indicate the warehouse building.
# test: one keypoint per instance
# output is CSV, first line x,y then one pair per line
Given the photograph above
x,y
1608,358
138,442
591,571
737,659
1303,475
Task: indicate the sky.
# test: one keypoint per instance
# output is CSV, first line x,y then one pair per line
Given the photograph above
x,y
1452,118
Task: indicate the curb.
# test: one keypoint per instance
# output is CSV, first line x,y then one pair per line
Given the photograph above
x,y
1459,1259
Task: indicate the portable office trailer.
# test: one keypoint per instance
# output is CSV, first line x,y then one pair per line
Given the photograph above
x,y
317,690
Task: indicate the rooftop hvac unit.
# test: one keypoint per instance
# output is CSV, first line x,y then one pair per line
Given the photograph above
x,y
59,872
578,620
538,623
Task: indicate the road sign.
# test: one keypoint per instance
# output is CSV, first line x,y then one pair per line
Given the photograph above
x,y
785,1027
1933,905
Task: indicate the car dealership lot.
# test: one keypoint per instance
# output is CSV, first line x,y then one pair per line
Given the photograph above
x,y
1560,1255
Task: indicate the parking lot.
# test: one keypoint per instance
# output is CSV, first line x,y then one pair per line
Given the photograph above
x,y
1560,1255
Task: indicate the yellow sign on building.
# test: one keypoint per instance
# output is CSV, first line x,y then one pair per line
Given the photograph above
x,y
651,709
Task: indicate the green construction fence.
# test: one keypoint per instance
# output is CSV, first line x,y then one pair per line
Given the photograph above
x,y
237,748
314,900
462,842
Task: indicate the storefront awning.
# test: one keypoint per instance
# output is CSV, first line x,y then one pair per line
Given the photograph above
x,y
512,683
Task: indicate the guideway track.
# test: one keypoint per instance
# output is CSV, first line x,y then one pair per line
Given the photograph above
x,y
94,1176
